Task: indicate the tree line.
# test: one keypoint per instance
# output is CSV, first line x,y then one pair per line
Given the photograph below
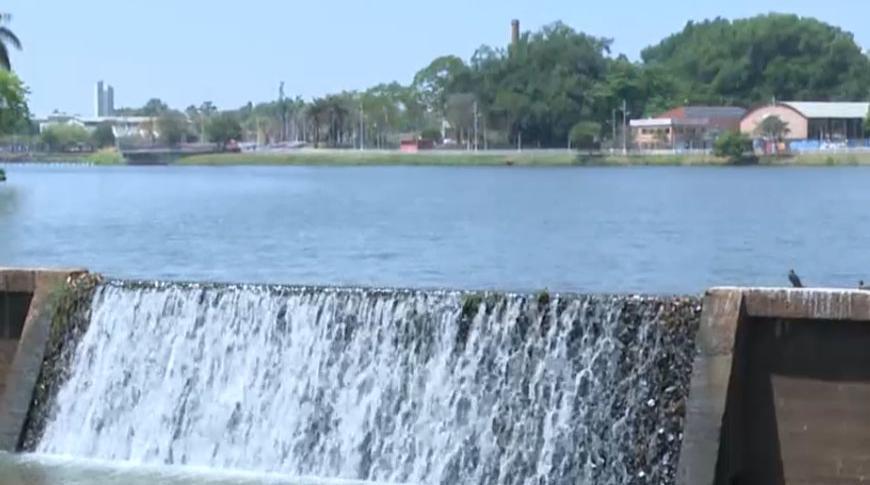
x,y
557,87
554,87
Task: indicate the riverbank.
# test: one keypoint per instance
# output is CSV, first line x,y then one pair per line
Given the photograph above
x,y
530,158
440,158
357,158
107,156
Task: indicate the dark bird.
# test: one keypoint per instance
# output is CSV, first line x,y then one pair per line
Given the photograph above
x,y
795,279
862,286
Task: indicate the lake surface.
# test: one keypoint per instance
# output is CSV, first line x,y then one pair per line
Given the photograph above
x,y
642,229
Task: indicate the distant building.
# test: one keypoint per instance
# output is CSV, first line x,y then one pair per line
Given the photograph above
x,y
122,126
819,121
414,145
99,100
110,101
687,127
104,100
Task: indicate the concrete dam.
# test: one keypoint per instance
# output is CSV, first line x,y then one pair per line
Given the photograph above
x,y
435,386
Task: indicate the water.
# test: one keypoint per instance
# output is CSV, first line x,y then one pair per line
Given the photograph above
x,y
383,385
34,469
652,230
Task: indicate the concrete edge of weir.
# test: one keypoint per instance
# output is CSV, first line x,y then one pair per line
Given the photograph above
x,y
716,417
39,287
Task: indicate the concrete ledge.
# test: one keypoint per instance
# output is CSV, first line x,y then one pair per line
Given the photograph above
x,y
23,374
25,280
708,389
762,355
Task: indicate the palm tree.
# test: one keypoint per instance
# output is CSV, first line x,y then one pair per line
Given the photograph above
x,y
773,128
7,38
316,114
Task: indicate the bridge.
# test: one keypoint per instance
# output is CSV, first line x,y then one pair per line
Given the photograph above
x,y
163,155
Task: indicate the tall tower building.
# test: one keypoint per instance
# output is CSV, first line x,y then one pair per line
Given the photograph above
x,y
99,100
109,107
515,31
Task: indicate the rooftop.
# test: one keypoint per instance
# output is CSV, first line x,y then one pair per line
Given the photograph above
x,y
834,110
705,112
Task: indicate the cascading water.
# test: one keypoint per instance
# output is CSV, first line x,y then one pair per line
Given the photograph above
x,y
399,386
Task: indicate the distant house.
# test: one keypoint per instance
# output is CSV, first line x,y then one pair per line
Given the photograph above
x,y
686,127
414,145
819,121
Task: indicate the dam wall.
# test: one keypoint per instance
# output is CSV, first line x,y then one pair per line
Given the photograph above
x,y
742,386
28,300
780,389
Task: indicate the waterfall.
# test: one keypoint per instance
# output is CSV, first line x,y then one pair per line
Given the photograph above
x,y
434,387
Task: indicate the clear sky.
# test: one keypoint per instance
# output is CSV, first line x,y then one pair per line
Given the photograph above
x,y
232,52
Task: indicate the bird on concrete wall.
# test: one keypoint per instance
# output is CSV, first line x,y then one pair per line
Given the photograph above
x,y
795,279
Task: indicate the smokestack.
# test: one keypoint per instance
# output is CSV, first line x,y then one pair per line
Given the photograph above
x,y
515,31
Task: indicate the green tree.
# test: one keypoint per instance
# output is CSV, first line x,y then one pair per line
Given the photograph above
x,y
542,87
585,134
103,136
154,107
772,128
734,146
749,61
223,128
435,81
14,113
7,38
65,137
171,128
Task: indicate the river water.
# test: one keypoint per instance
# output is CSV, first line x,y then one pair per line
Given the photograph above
x,y
645,229
651,230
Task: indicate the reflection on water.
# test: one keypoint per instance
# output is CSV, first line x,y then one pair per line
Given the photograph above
x,y
52,470
8,199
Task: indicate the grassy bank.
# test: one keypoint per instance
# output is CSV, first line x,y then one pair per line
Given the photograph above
x,y
106,156
820,159
356,158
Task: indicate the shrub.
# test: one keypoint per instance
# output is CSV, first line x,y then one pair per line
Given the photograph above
x,y
734,146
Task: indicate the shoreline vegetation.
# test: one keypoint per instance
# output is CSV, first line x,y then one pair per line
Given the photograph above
x,y
531,158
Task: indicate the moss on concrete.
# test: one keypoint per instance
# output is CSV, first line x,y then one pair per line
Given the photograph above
x,y
70,307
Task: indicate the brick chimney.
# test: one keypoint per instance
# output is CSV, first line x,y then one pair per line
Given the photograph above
x,y
515,31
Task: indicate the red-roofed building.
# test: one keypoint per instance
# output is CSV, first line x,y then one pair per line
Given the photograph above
x,y
686,127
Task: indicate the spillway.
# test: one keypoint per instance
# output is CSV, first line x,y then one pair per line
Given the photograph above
x,y
400,386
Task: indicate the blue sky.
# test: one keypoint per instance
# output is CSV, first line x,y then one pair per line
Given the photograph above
x,y
230,52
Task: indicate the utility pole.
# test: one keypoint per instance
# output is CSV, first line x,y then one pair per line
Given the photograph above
x,y
624,127
362,127
485,138
613,125
283,112
476,124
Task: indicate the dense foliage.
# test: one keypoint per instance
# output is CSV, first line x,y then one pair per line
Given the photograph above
x,y
754,60
103,136
171,128
65,137
223,128
733,146
14,113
